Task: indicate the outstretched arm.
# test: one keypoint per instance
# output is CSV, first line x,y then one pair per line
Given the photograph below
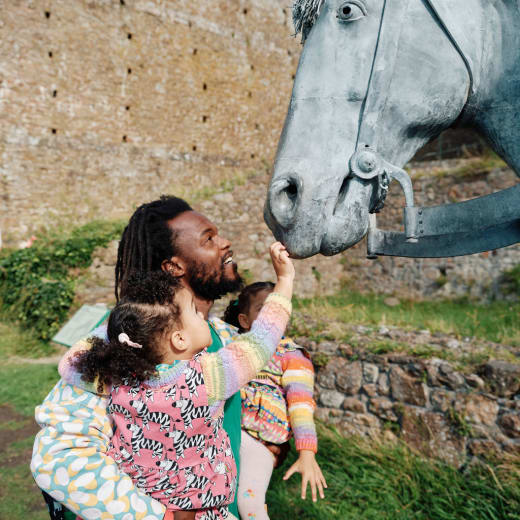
x,y
70,463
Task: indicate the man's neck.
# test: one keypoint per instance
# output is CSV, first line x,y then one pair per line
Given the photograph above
x,y
203,305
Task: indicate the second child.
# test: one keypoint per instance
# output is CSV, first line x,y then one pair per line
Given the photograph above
x,y
167,394
276,405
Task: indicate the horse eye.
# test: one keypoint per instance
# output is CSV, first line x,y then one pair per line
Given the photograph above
x,y
351,11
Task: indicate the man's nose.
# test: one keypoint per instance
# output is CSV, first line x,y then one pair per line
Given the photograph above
x,y
224,243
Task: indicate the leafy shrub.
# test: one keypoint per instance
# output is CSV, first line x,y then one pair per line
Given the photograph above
x,y
37,286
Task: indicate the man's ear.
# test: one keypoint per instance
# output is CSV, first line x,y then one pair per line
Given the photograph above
x,y
174,266
243,320
178,341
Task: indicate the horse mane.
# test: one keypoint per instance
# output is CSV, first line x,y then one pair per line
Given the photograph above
x,y
304,14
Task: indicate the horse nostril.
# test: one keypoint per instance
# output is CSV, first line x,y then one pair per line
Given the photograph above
x,y
284,196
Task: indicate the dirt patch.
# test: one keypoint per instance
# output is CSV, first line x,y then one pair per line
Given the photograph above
x,y
25,427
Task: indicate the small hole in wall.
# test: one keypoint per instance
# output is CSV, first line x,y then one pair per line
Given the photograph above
x,y
293,76
289,53
232,35
194,52
252,156
54,131
204,119
50,54
127,107
47,14
124,139
245,11
194,148
54,93
249,94
204,86
189,24
252,67
257,126
129,36
122,2
129,71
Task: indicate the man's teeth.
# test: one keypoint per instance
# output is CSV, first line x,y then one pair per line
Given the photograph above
x,y
229,260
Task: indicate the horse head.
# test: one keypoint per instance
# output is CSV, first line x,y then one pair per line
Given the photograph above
x,y
386,75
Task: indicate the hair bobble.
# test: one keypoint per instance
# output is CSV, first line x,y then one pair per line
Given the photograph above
x,y
123,338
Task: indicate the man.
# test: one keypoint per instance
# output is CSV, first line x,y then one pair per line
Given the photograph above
x,y
69,460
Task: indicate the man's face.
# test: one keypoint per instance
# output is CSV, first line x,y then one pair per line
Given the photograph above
x,y
210,269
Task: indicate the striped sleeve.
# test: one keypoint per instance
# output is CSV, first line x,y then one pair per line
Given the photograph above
x,y
298,384
229,369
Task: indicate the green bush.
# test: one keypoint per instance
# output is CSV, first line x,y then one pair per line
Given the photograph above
x,y
37,286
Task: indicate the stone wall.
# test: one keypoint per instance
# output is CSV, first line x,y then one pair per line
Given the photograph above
x,y
106,102
435,409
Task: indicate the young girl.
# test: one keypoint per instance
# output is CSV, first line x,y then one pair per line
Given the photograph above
x,y
167,395
277,402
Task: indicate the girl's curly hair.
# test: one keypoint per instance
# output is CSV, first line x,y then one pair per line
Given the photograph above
x,y
241,304
147,311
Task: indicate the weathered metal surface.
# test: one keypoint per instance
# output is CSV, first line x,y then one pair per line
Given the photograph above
x,y
392,74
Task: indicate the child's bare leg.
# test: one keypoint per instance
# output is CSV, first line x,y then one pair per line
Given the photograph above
x,y
256,468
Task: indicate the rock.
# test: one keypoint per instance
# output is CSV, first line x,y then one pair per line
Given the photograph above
x,y
382,384
452,343
391,301
331,398
431,434
350,377
384,331
441,400
475,381
354,405
483,447
370,390
476,408
447,376
345,350
328,374
361,329
370,372
510,424
365,425
407,389
327,347
383,408
322,414
503,377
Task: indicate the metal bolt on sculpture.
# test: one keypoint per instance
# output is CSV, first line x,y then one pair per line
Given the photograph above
x,y
378,79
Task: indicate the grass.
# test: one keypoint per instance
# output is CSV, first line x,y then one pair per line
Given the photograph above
x,y
468,167
376,481
25,386
497,321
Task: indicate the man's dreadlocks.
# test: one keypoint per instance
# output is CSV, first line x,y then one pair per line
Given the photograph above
x,y
147,240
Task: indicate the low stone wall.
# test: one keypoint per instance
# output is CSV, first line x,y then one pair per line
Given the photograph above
x,y
435,409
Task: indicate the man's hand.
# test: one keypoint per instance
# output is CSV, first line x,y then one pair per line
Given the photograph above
x,y
311,474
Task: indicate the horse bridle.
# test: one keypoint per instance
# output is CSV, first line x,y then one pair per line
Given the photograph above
x,y
366,163
480,224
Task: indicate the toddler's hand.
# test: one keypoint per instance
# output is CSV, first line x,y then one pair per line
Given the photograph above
x,y
282,264
311,474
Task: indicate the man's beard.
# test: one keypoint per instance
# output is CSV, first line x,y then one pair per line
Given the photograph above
x,y
204,283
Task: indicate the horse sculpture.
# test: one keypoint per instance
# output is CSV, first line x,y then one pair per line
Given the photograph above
x,y
378,79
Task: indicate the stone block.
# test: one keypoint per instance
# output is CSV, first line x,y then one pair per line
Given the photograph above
x,y
354,405
483,447
441,400
331,398
382,384
383,408
476,408
510,424
431,434
407,389
502,377
370,372
350,377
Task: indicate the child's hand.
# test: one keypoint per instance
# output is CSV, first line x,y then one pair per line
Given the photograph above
x,y
311,474
282,264
284,269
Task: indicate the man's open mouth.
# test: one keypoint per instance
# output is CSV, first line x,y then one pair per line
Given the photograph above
x,y
228,259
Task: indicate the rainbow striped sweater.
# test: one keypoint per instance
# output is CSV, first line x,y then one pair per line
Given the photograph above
x,y
279,401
